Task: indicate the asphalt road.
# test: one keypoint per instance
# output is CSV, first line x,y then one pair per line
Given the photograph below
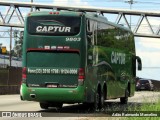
x,y
12,103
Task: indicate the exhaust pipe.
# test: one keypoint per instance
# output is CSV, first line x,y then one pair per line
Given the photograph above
x,y
33,96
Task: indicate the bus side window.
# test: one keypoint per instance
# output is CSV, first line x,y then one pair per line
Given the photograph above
x,y
88,27
89,42
92,42
89,33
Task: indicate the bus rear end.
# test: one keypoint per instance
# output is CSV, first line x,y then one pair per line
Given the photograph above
x,y
53,64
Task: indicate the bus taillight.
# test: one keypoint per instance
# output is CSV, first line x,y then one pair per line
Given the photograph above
x,y
81,76
24,74
54,13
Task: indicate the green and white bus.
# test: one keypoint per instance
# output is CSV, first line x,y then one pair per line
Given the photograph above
x,y
76,57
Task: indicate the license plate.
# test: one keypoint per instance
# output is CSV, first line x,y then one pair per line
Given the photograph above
x,y
51,86
142,87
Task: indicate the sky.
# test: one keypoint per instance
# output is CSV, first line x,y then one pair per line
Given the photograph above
x,y
147,48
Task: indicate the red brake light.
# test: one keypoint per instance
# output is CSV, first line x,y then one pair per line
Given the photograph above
x,y
24,74
54,13
81,76
50,12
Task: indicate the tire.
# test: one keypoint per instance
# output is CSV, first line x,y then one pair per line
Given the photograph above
x,y
44,105
102,101
97,101
21,97
124,100
59,106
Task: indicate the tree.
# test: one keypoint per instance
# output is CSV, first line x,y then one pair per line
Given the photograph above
x,y
18,37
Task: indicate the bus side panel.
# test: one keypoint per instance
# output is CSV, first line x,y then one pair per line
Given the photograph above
x,y
116,47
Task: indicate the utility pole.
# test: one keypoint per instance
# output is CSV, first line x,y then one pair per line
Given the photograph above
x,y
10,53
31,7
130,2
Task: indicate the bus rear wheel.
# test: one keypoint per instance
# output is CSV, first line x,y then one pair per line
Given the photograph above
x,y
102,101
44,105
124,100
58,106
99,101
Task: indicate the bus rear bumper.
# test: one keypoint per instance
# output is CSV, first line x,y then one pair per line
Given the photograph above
x,y
64,95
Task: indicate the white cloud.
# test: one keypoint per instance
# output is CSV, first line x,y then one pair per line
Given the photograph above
x,y
154,22
149,51
150,59
150,64
69,2
149,44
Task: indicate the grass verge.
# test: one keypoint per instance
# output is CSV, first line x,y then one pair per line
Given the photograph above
x,y
150,109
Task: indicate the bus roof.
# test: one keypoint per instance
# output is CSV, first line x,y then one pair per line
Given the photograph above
x,y
62,12
101,18
89,15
